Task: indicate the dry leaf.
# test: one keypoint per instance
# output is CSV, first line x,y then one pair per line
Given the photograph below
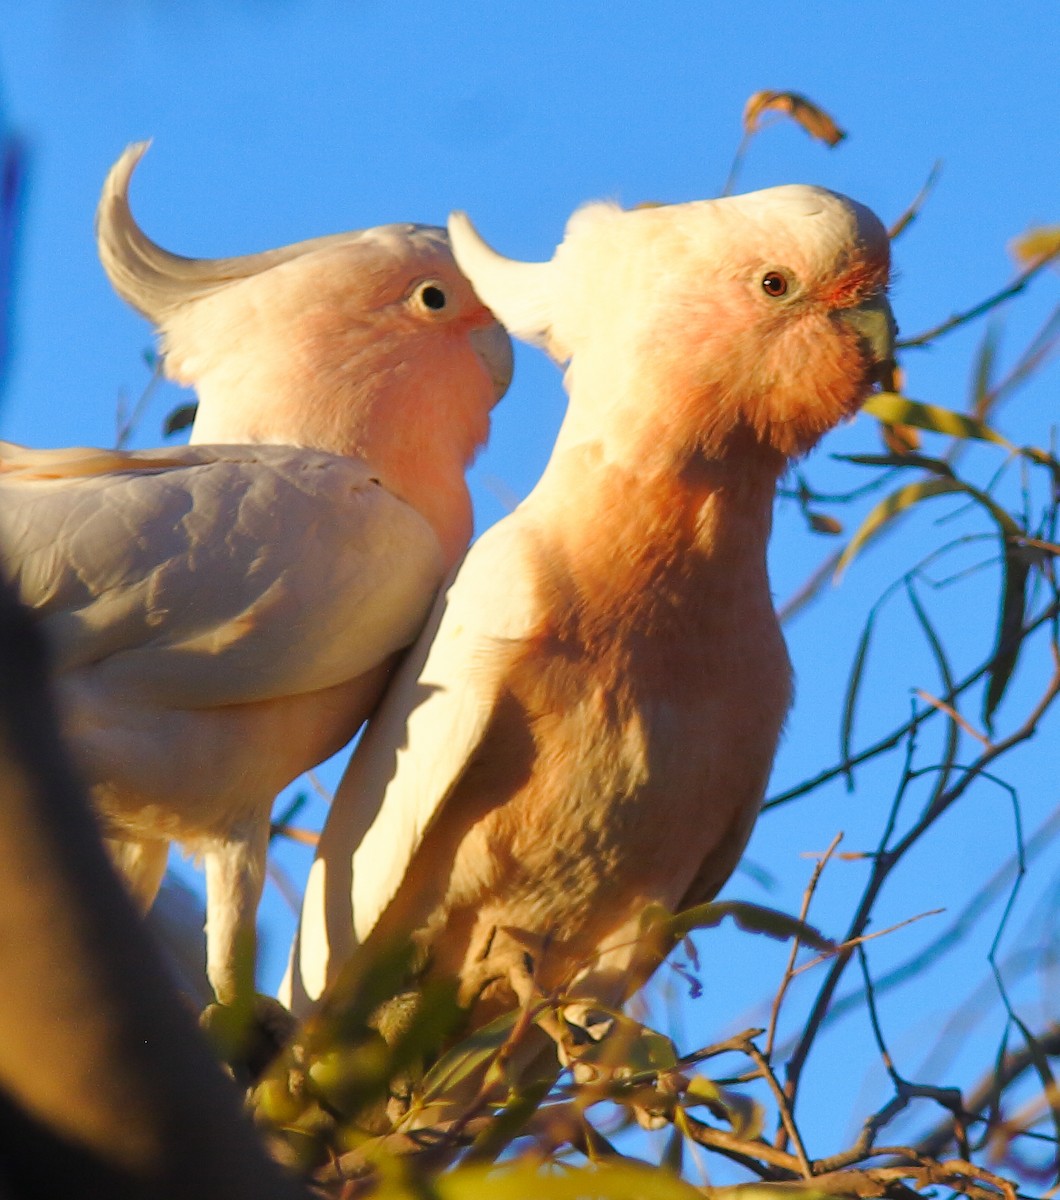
x,y
1037,245
813,119
821,523
900,439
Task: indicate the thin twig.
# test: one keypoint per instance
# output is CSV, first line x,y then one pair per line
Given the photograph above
x,y
749,1152
954,716
787,1117
789,970
977,310
894,738
913,211
304,837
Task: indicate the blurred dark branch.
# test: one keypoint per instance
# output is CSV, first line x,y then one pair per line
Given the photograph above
x,y
14,159
107,1087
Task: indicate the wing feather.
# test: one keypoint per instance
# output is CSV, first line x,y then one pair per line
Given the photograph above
x,y
414,752
206,575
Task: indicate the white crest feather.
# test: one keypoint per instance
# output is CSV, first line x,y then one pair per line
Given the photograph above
x,y
520,294
152,279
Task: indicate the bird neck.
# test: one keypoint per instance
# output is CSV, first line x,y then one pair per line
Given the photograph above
x,y
661,520
419,457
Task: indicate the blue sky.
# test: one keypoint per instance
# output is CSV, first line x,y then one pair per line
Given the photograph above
x,y
276,120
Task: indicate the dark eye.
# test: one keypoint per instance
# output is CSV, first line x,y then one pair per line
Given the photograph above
x,y
433,297
774,284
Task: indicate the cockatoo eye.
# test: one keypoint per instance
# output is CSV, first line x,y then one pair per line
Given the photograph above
x,y
432,296
774,284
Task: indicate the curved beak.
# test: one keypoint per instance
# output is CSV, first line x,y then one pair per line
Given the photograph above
x,y
494,347
875,325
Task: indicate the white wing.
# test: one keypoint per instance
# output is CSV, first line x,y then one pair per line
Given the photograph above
x,y
211,575
414,752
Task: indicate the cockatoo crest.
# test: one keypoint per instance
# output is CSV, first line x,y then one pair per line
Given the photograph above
x,y
405,361
620,281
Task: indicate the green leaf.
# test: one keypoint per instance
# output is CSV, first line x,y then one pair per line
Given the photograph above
x,y
892,409
1009,639
526,1181
857,671
754,918
913,493
935,465
474,1051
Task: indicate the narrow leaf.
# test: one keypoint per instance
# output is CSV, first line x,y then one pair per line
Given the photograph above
x,y
822,523
509,1122
935,465
892,409
754,918
799,108
673,1155
181,418
1036,245
1009,630
458,1063
846,733
948,689
1014,584
984,370
910,495
913,211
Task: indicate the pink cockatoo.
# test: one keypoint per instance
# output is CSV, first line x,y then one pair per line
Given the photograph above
x,y
223,617
587,723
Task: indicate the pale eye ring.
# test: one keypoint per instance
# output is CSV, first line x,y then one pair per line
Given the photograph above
x,y
774,284
432,295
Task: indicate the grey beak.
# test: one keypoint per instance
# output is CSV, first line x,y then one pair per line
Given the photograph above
x,y
494,347
875,324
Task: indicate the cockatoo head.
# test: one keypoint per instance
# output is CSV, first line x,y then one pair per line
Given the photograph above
x,y
761,316
370,343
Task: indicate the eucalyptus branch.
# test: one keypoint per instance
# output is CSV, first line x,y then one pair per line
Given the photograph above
x,y
988,1092
789,970
894,738
977,310
930,954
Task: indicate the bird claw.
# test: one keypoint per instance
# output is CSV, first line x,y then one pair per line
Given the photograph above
x,y
248,1036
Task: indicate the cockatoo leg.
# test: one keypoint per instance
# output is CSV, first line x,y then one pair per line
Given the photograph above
x,y
235,876
142,864
249,1028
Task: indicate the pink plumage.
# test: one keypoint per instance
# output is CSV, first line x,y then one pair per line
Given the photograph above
x,y
587,724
